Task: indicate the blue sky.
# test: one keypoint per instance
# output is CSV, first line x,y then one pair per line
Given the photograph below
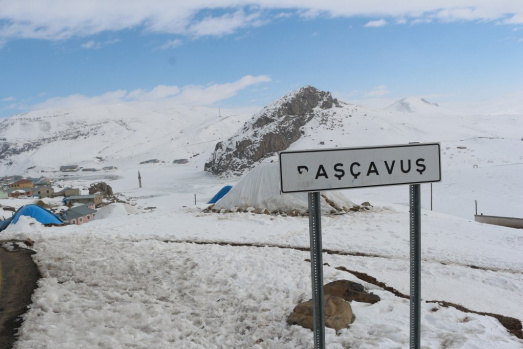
x,y
223,53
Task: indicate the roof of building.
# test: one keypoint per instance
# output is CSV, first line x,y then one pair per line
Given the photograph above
x,y
82,197
38,187
78,211
22,181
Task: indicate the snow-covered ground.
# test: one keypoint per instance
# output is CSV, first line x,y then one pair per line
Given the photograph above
x,y
140,280
174,276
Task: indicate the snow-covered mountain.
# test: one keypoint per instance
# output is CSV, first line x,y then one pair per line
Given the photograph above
x,y
273,129
415,105
229,142
110,135
309,119
305,118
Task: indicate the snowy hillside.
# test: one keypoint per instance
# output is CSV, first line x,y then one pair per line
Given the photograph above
x,y
111,135
415,105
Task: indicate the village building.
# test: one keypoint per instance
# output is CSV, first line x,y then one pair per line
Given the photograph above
x,y
21,184
79,214
69,168
96,199
44,191
3,194
66,192
18,193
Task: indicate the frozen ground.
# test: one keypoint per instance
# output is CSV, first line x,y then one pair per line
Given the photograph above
x,y
139,280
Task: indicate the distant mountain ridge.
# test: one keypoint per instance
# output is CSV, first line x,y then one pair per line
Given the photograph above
x,y
229,145
414,104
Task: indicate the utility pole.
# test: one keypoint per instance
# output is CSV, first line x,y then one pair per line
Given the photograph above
x,y
139,179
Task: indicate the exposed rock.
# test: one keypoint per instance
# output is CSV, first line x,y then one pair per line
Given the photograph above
x,y
101,187
350,291
274,129
338,314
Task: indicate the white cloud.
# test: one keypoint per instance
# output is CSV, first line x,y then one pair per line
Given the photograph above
x,y
8,99
377,23
225,24
158,93
191,94
200,95
91,45
62,19
171,44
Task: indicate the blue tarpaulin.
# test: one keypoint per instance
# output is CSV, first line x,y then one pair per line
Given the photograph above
x,y
220,194
40,214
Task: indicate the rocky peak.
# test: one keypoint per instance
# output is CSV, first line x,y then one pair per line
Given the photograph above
x,y
272,130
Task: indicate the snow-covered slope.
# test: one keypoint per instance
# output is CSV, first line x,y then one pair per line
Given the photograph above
x,y
110,135
415,105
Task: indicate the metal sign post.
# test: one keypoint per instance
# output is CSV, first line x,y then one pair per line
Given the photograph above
x,y
415,265
318,310
313,171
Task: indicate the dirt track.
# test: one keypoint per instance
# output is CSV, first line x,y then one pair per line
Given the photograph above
x,y
18,280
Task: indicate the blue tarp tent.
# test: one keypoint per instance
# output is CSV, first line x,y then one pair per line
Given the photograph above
x,y
220,194
40,214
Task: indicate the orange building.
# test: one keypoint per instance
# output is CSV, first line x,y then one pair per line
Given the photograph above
x,y
22,184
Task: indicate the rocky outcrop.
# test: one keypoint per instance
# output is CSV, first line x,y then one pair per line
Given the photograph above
x,y
102,188
272,130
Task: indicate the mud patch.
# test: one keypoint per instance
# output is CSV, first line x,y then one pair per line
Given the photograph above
x,y
18,279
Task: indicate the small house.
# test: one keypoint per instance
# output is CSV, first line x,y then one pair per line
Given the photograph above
x,y
44,191
20,193
96,199
21,184
66,192
79,214
3,194
151,161
69,168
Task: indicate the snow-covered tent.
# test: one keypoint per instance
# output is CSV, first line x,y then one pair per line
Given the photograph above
x,y
40,214
260,189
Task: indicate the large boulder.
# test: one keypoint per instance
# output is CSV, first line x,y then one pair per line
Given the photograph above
x,y
338,314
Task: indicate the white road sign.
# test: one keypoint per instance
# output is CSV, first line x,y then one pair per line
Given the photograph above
x,y
344,168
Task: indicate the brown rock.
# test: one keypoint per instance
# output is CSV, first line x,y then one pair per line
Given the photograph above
x,y
338,314
350,291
